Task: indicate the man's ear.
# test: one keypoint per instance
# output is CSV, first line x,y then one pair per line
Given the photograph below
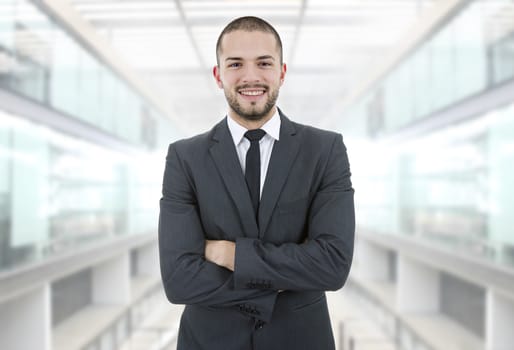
x,y
283,73
216,74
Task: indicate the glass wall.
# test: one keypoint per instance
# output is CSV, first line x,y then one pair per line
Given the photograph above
x,y
499,28
41,61
453,187
471,53
59,192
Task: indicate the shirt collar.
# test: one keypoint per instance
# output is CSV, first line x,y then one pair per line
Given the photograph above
x,y
271,127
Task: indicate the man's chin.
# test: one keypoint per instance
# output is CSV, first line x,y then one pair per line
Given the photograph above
x,y
252,114
251,111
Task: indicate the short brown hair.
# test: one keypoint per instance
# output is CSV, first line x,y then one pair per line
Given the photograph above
x,y
248,24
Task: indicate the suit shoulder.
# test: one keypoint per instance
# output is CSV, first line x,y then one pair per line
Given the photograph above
x,y
192,144
192,141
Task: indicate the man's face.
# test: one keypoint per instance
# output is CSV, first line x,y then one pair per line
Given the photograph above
x,y
250,73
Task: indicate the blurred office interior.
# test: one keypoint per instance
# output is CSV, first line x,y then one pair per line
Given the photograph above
x,y
93,91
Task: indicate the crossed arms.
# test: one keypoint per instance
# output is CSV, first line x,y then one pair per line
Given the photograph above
x,y
227,274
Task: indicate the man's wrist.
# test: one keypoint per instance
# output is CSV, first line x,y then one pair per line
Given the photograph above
x,y
230,255
221,253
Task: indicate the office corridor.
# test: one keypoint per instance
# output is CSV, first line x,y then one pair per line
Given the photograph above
x,y
92,92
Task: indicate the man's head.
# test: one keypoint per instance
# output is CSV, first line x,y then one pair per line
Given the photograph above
x,y
250,69
249,24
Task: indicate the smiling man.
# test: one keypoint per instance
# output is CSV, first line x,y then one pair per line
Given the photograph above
x,y
257,215
251,83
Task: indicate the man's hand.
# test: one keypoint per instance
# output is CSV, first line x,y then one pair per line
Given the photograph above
x,y
222,253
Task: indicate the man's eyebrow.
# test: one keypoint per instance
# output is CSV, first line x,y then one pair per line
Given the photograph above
x,y
266,57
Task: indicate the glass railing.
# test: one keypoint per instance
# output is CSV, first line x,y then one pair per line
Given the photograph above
x,y
58,193
40,60
453,187
472,53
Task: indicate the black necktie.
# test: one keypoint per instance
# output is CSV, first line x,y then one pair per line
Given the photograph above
x,y
253,166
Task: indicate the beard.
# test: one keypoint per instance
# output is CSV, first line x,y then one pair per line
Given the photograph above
x,y
252,113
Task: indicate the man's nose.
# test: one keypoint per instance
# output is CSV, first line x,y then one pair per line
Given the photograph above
x,y
250,74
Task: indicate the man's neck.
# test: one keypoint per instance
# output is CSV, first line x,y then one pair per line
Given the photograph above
x,y
252,124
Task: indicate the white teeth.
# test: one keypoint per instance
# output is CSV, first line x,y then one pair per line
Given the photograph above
x,y
251,93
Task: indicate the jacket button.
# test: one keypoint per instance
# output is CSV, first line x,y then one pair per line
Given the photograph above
x,y
259,324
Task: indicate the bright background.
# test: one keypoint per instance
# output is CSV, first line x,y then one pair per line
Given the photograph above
x,y
93,91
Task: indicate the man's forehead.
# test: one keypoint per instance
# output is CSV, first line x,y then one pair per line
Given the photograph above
x,y
238,43
240,36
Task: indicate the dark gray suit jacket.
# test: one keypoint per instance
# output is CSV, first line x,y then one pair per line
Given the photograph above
x,y
302,244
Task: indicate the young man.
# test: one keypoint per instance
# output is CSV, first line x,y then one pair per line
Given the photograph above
x,y
257,215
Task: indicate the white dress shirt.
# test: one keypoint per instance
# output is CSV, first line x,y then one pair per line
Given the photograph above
x,y
272,129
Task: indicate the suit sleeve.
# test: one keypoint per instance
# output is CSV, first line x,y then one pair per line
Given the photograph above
x,y
323,261
187,277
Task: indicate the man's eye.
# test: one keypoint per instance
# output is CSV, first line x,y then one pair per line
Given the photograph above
x,y
265,64
236,64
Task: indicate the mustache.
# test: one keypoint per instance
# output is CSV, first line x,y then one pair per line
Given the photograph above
x,y
252,86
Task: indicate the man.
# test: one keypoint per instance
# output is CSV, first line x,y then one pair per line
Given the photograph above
x,y
257,215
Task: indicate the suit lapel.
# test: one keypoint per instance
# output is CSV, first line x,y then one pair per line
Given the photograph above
x,y
282,157
223,151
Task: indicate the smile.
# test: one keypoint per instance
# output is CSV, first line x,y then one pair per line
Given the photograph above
x,y
247,92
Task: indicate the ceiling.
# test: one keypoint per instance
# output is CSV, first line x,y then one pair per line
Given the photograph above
x,y
329,45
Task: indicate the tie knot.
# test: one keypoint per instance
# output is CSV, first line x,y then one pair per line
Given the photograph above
x,y
255,135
